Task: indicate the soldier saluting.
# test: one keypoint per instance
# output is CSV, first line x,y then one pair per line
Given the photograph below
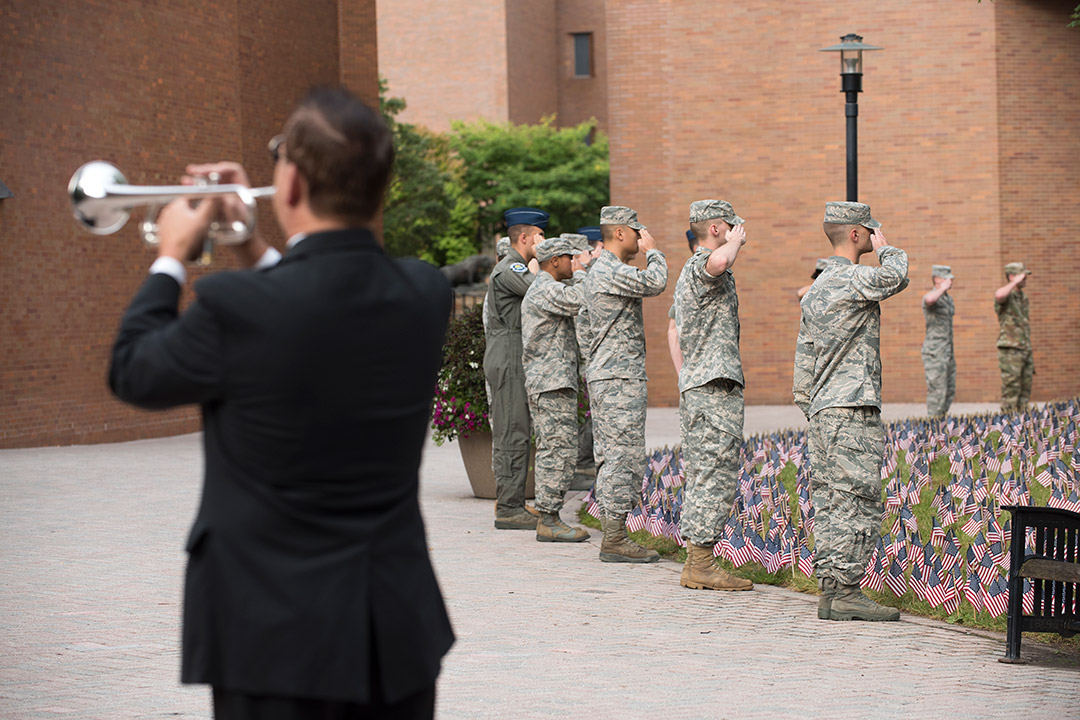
x,y
511,429
616,372
551,378
837,385
710,389
938,358
1015,359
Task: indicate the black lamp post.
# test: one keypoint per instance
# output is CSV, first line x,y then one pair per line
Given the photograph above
x,y
851,49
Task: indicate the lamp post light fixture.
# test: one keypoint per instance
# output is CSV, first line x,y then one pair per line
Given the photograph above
x,y
851,48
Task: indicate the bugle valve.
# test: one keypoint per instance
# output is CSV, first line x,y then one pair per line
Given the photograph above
x,y
102,200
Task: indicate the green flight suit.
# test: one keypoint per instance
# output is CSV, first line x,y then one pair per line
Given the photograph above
x,y
511,427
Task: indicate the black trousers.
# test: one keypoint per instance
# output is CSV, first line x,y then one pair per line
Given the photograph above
x,y
230,705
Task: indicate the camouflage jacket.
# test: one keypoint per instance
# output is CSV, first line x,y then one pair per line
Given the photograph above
x,y
707,318
613,293
582,333
838,353
939,335
1013,318
550,354
506,287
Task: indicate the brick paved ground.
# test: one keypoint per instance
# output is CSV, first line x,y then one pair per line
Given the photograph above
x,y
92,541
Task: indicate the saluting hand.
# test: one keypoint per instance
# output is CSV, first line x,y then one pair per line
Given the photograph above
x,y
647,242
736,234
878,240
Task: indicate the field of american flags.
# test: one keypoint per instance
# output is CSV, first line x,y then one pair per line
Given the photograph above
x,y
943,550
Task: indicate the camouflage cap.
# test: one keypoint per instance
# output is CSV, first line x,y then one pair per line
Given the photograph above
x,y
502,247
555,246
941,271
703,210
579,241
619,215
849,213
819,266
1015,268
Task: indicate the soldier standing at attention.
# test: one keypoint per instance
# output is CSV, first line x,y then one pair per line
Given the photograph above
x,y
938,359
616,372
821,263
1014,339
672,331
710,390
550,359
510,427
837,385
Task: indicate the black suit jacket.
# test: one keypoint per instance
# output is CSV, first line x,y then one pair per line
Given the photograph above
x,y
307,563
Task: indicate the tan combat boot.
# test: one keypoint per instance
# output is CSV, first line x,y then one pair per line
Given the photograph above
x,y
617,547
700,572
828,592
849,603
551,528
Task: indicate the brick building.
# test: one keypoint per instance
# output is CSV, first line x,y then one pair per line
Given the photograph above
x,y
149,87
969,153
496,60
969,148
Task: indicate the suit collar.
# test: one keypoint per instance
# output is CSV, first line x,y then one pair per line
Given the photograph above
x,y
334,241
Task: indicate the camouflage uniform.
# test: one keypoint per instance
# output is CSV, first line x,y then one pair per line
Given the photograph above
x,y
837,385
710,395
939,362
550,359
510,426
616,370
589,454
1015,358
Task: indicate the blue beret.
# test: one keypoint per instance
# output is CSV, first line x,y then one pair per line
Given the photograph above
x,y
526,216
690,236
592,232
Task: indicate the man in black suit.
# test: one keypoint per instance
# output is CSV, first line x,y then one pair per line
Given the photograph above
x,y
309,590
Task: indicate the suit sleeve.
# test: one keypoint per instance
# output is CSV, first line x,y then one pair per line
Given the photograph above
x,y
629,281
803,379
161,359
877,284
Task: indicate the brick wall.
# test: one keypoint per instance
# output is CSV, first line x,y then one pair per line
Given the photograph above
x,y
447,59
1038,64
758,119
581,98
150,89
532,59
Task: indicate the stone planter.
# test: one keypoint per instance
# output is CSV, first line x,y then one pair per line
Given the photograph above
x,y
476,454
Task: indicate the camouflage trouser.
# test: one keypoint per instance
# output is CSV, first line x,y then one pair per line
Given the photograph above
x,y
618,407
847,446
711,423
511,433
1017,368
554,416
940,383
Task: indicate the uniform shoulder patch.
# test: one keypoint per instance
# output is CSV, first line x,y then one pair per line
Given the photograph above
x,y
519,267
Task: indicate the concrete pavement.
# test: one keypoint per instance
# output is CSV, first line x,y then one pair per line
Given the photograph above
x,y
90,580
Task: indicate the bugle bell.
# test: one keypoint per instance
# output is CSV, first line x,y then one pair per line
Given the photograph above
x,y
102,200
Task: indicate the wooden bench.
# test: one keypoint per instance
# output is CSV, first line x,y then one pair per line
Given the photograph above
x,y
1053,570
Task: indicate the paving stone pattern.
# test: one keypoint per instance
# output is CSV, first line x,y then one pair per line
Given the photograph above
x,y
90,581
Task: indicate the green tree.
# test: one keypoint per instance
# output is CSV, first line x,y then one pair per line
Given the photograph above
x,y
561,170
418,207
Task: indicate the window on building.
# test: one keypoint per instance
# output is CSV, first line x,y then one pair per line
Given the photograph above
x,y
582,54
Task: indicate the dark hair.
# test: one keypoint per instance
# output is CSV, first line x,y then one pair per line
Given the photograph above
x,y
344,151
514,231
